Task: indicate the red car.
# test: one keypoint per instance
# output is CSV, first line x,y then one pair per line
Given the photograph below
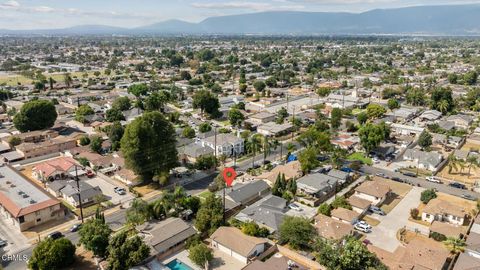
x,y
90,174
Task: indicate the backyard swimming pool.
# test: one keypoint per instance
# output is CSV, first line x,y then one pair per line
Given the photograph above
x,y
178,265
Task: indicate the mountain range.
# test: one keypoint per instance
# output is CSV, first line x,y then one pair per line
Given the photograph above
x,y
450,20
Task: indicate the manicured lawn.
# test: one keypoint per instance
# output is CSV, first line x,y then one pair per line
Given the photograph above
x,y
203,195
361,157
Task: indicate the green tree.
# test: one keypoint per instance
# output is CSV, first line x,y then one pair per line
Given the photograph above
x,y
281,115
96,144
235,117
35,115
336,118
94,236
52,254
139,212
200,254
428,195
375,111
14,141
125,251
325,209
204,127
206,102
148,145
259,85
470,78
308,159
85,140
372,135
210,215
205,162
114,114
82,112
252,229
455,245
188,132
115,134
362,118
122,103
425,139
393,104
341,202
472,161
442,100
138,90
296,231
156,101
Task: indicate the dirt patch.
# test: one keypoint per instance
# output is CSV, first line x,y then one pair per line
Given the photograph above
x,y
399,190
371,221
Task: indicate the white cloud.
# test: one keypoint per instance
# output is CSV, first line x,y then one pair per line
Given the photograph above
x,y
11,3
256,6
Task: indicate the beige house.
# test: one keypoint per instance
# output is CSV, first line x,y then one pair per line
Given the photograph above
x,y
332,229
50,146
374,191
23,204
345,215
359,205
441,210
236,244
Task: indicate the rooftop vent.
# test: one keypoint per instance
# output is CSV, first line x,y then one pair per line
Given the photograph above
x,y
25,195
8,182
20,192
32,201
12,185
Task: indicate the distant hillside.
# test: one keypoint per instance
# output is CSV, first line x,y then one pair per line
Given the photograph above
x,y
427,20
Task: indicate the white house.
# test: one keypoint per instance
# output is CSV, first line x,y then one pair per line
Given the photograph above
x,y
227,144
236,244
440,210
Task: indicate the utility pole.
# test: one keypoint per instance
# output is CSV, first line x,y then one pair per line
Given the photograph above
x,y
224,187
215,146
79,197
293,122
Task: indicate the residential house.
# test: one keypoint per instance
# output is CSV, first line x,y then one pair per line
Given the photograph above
x,y
273,129
345,215
332,229
374,191
462,121
424,160
442,210
54,169
406,129
291,170
430,115
226,144
359,205
470,258
261,118
342,176
191,152
242,194
268,212
317,185
23,204
51,146
88,193
167,236
236,244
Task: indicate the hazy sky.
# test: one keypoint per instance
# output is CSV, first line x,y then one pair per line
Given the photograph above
x,y
34,14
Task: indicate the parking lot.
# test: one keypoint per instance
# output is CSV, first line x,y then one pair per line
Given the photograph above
x,y
107,188
16,240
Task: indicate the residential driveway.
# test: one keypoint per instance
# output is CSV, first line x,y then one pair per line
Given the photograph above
x,y
384,235
107,190
16,240
306,212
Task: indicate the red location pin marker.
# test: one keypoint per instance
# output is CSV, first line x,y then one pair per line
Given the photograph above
x,y
229,175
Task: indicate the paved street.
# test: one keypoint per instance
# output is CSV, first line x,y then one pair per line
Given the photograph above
x,y
384,235
420,182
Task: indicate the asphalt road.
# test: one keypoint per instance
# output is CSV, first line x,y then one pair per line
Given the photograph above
x,y
421,182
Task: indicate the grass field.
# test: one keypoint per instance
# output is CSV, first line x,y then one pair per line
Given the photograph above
x,y
16,79
361,157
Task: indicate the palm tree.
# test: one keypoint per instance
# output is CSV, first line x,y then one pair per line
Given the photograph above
x,y
462,166
455,245
255,145
443,105
158,209
67,79
472,163
267,147
452,163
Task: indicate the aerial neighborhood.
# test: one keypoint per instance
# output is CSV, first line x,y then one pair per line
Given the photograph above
x,y
349,153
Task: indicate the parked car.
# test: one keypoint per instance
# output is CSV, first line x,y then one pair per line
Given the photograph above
x,y
433,179
363,223
397,179
409,174
119,190
362,228
55,235
468,197
90,174
457,185
380,175
3,243
376,210
76,227
295,207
